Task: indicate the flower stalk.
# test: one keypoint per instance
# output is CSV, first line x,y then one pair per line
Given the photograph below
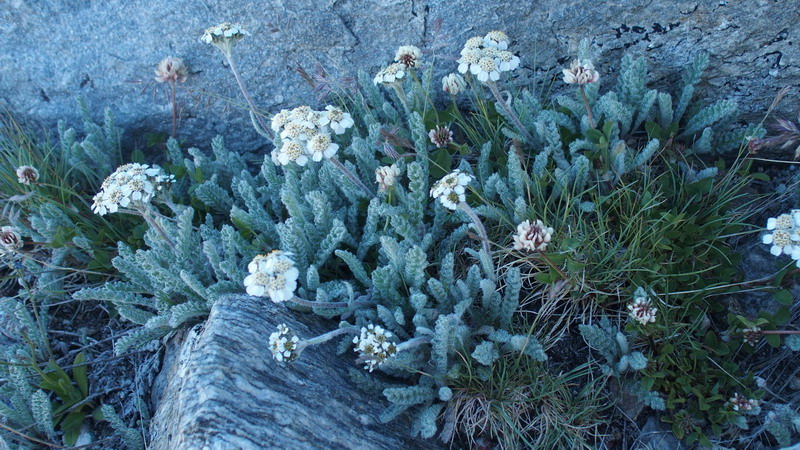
x,y
509,111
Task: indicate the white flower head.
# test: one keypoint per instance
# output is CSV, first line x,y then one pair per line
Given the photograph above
x,y
393,73
453,84
131,184
642,309
171,69
507,61
782,241
408,56
338,120
320,146
284,344
293,151
469,59
374,346
743,404
224,35
273,275
486,69
782,222
441,136
280,120
10,240
386,176
581,72
532,237
496,39
455,181
27,175
473,43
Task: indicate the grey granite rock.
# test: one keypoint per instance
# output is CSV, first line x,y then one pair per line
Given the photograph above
x,y
106,51
221,389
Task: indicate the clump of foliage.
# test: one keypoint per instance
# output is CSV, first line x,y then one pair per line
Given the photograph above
x,y
557,213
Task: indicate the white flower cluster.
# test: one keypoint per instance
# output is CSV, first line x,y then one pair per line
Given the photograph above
x,y
131,184
532,237
272,275
386,176
450,189
642,309
27,175
390,74
283,344
785,236
453,84
580,72
10,240
742,403
486,57
306,134
374,345
224,34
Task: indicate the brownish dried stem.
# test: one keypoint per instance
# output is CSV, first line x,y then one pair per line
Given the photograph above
x,y
351,177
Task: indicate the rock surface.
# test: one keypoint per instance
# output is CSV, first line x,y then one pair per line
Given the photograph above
x,y
53,51
220,389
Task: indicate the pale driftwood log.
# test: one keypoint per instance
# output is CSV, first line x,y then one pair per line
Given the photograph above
x,y
220,389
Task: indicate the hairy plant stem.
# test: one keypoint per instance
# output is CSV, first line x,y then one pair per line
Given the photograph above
x,y
355,305
328,336
350,176
229,58
510,112
415,342
147,213
398,89
479,226
588,109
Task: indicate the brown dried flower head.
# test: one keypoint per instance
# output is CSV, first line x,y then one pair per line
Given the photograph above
x,y
27,175
10,240
441,136
171,69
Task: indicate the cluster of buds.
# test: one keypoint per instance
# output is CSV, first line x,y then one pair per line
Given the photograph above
x,y
307,134
580,72
10,240
486,57
450,190
223,36
273,275
784,238
642,309
130,185
390,74
27,175
441,136
171,69
284,344
751,335
743,404
386,176
374,346
532,237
